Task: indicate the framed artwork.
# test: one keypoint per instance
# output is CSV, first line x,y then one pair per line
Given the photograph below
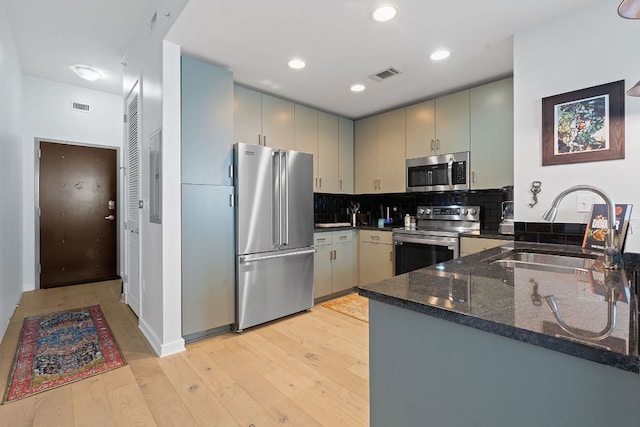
x,y
585,125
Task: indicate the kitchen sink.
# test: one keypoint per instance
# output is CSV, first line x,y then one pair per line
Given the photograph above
x,y
545,261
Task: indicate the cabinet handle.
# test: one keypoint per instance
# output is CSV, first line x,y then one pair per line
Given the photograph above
x,y
321,239
316,182
264,140
391,256
231,200
259,139
343,237
335,255
375,237
330,255
473,177
432,142
437,144
320,182
340,185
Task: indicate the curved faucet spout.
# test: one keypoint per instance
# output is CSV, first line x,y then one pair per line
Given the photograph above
x,y
611,251
611,319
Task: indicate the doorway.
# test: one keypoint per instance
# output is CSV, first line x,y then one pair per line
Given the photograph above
x,y
77,214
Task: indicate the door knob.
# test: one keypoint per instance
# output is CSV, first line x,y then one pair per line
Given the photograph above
x,y
110,218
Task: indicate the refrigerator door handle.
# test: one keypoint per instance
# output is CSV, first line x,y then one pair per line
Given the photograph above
x,y
244,260
285,219
277,208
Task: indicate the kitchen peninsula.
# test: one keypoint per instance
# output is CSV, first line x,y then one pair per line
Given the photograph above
x,y
471,342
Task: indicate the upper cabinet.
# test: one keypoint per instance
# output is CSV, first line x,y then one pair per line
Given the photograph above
x,y
328,154
380,153
207,123
306,135
492,135
345,155
438,126
262,119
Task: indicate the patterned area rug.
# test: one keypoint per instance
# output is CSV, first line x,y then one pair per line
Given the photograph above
x,y
352,305
59,348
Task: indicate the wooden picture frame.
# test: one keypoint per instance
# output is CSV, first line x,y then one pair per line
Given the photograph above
x,y
585,125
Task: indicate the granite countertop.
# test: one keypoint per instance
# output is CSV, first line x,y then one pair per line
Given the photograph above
x,y
491,234
509,301
359,227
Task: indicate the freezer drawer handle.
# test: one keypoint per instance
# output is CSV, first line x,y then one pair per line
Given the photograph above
x,y
245,260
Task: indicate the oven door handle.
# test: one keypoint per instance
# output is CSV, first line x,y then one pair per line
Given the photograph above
x,y
449,242
450,173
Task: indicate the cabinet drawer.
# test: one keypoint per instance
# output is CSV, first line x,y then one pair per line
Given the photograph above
x,y
320,239
342,236
374,236
472,245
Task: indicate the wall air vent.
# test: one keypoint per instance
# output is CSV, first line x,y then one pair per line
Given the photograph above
x,y
77,106
385,74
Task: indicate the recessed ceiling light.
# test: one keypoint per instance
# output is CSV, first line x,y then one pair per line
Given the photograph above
x,y
357,87
439,55
86,72
384,13
297,64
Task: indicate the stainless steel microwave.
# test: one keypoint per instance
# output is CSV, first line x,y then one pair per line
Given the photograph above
x,y
446,172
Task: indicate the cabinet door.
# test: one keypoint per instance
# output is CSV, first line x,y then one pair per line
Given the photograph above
x,y
366,153
328,153
375,262
343,265
472,245
306,135
207,123
492,135
277,122
247,116
322,260
345,156
421,129
208,258
452,123
391,152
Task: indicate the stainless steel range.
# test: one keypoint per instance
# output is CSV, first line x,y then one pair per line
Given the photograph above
x,y
435,238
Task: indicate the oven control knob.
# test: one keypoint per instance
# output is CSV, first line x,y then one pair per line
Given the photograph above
x,y
427,211
473,211
465,211
420,211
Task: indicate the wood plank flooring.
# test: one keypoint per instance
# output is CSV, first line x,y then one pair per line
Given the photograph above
x,y
310,369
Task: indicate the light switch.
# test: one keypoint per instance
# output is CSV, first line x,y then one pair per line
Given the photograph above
x,y
584,202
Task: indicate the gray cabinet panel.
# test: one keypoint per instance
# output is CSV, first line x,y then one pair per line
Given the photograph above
x,y
208,258
207,123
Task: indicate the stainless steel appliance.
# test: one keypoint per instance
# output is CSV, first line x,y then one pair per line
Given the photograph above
x,y
506,225
274,233
435,238
446,172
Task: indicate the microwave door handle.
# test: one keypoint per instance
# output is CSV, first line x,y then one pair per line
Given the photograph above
x,y
450,173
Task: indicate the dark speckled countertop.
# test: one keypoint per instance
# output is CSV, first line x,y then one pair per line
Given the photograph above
x,y
509,301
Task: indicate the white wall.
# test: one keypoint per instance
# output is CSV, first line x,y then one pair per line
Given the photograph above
x,y
47,114
160,310
589,47
10,175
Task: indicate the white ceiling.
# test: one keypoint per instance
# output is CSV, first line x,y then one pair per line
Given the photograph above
x,y
256,38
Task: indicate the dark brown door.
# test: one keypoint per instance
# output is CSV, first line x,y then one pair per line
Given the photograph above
x,y
77,214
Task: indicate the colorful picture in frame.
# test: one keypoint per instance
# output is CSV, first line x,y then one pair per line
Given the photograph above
x,y
584,126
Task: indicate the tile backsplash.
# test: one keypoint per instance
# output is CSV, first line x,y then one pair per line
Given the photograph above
x,y
335,207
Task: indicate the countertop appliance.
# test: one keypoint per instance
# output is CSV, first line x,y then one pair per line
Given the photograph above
x,y
435,238
274,233
506,224
446,172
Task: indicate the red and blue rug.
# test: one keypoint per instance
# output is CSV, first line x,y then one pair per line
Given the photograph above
x,y
59,348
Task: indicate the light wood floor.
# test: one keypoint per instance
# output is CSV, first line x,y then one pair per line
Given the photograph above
x,y
310,369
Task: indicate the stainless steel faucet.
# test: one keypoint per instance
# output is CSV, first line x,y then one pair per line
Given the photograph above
x,y
611,250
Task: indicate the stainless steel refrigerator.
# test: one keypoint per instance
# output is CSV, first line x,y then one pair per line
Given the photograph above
x,y
274,233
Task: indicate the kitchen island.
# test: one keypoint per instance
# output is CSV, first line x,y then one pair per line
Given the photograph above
x,y
468,342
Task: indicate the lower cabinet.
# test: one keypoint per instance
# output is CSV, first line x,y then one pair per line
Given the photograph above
x,y
375,257
334,262
472,245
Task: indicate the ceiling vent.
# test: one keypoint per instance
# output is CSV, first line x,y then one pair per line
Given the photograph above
x,y
385,74
77,106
